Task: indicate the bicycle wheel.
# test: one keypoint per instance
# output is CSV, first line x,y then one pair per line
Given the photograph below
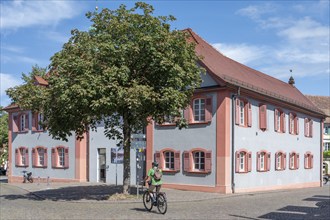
x,y
162,204
147,202
31,180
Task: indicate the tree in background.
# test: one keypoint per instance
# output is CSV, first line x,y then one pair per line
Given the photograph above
x,y
128,69
3,137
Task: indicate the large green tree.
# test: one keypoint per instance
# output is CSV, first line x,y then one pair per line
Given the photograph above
x,y
3,136
129,68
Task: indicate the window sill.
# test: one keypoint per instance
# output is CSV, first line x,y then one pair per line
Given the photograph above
x,y
308,168
199,123
262,171
198,172
37,131
61,168
22,165
243,172
279,169
39,166
21,132
170,171
167,125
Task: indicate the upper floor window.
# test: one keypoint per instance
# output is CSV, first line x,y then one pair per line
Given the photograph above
x,y
37,119
60,157
263,161
22,157
263,117
21,122
308,162
293,124
308,127
168,159
326,146
197,160
294,161
39,157
243,161
243,113
279,120
327,129
280,161
201,110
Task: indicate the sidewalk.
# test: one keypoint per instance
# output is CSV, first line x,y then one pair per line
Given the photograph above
x,y
100,192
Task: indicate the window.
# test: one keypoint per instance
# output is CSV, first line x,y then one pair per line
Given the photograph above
x,y
39,157
22,157
280,161
293,161
308,127
308,160
279,121
326,146
197,160
263,117
243,161
293,124
243,113
37,119
263,161
168,160
199,110
60,157
21,122
327,129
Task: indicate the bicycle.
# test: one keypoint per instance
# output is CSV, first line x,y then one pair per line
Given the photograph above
x,y
161,201
27,176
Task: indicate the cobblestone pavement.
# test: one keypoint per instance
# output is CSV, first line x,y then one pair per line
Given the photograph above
x,y
88,201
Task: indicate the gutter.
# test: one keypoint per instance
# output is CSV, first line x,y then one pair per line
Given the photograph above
x,y
233,97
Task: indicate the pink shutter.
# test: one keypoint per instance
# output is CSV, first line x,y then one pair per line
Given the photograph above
x,y
249,115
249,168
34,121
258,161
186,162
290,158
263,117
268,161
186,114
45,158
54,157
26,121
17,157
34,157
237,162
177,160
297,164
284,122
296,120
66,157
26,157
275,119
311,128
15,123
284,161
276,156
305,126
208,108
290,119
237,112
208,161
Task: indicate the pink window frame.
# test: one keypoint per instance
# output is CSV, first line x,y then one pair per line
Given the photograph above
x,y
160,158
188,161
247,113
35,122
282,162
55,157
189,112
35,157
293,119
263,117
295,160
308,160
267,161
18,157
17,122
247,161
282,128
308,125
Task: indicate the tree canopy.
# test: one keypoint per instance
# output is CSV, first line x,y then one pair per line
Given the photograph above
x,y
127,69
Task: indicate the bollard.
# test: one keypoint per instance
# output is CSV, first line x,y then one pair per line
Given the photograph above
x,y
47,180
38,180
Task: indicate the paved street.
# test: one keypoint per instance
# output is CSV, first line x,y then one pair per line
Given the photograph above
x,y
87,202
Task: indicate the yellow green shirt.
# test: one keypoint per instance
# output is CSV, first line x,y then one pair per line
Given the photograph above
x,y
151,173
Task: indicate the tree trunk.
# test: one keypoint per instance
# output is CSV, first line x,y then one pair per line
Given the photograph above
x,y
127,156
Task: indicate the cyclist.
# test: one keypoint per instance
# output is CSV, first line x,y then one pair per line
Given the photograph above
x,y
154,182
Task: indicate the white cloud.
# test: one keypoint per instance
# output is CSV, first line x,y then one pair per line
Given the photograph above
x,y
19,14
7,81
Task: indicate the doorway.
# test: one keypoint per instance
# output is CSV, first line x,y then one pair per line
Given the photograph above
x,y
102,165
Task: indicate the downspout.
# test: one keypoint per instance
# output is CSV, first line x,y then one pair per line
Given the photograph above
x,y
321,152
234,96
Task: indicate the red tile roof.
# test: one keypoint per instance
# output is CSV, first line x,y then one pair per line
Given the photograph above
x,y
323,103
237,74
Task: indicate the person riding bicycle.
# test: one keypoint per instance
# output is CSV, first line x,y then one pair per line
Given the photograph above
x,y
155,181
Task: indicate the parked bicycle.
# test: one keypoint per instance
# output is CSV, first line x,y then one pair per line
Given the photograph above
x,y
27,176
155,199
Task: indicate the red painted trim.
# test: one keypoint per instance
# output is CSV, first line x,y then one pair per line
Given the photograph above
x,y
149,145
10,146
81,158
186,187
276,187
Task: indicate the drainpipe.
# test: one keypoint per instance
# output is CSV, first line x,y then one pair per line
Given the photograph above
x,y
233,97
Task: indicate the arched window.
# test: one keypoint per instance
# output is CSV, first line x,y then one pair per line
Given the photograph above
x,y
280,161
263,161
168,160
22,157
279,121
60,157
243,161
308,160
293,161
243,113
39,157
197,160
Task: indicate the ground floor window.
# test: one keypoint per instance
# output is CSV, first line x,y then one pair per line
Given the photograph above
x,y
22,157
243,161
308,160
197,160
280,161
60,157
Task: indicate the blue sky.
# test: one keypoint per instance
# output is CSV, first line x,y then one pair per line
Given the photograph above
x,y
270,36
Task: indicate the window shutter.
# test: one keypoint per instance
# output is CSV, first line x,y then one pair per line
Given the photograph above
x,y
208,161
26,157
305,126
186,162
311,128
297,164
258,161
186,114
26,122
34,157
177,160
290,158
284,161
66,157
290,119
283,123
34,121
237,112
237,162
209,110
249,115
263,117
311,160
275,119
249,168
268,161
15,123
276,156
54,157
17,157
45,158
296,125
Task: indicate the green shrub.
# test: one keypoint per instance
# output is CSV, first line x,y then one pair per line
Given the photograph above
x,y
326,154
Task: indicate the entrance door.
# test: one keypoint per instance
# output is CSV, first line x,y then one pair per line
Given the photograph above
x,y
102,165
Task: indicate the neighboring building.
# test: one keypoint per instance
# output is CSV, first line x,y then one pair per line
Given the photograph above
x,y
323,103
247,132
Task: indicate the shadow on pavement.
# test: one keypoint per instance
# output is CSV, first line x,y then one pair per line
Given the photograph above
x,y
322,211
73,193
